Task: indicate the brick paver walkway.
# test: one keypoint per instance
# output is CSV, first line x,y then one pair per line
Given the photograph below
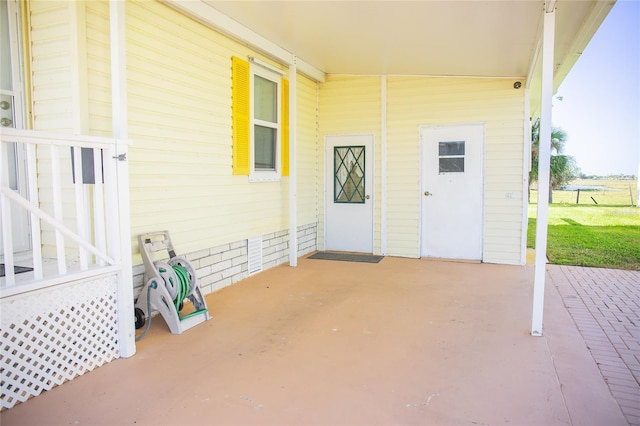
x,y
605,305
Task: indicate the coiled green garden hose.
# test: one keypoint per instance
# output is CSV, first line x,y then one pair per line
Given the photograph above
x,y
183,285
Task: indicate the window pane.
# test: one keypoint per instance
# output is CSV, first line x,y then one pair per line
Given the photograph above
x,y
5,50
264,148
265,99
451,148
349,177
452,165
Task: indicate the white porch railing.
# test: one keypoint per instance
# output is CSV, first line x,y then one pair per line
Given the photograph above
x,y
68,223
67,218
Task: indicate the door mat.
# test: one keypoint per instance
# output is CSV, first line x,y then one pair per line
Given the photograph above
x,y
16,269
346,257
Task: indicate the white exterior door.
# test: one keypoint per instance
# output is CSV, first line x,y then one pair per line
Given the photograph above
x,y
348,193
451,194
11,115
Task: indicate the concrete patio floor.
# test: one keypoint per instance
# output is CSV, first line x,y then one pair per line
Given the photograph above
x,y
404,341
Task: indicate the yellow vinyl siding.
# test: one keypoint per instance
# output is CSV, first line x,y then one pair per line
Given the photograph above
x,y
51,65
98,68
179,84
54,79
413,101
309,179
348,105
179,94
71,86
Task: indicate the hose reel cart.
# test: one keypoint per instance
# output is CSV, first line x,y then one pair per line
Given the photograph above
x,y
167,285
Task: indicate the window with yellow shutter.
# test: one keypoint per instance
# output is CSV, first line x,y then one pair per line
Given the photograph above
x,y
260,122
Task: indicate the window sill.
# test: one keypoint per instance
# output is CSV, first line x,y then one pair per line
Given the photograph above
x,y
265,177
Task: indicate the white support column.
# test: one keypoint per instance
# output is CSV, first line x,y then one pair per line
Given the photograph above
x,y
120,244
526,168
544,167
383,165
293,185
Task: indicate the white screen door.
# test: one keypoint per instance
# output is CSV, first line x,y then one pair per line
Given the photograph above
x,y
451,192
348,190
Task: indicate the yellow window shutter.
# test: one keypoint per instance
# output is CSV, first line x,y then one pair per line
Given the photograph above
x,y
285,128
241,114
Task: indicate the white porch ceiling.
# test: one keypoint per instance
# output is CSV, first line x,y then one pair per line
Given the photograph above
x,y
451,38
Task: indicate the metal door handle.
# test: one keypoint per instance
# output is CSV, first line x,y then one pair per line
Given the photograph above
x,y
367,197
427,193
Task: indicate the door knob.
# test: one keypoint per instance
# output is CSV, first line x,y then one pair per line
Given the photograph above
x,y
427,193
367,197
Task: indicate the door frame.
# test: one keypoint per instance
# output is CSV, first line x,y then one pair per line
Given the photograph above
x,y
421,143
370,160
21,219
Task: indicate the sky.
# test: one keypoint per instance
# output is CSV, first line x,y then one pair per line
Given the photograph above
x,y
600,106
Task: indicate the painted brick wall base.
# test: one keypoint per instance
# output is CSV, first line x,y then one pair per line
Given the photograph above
x,y
221,266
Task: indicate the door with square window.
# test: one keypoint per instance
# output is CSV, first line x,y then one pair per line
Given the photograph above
x,y
451,191
348,193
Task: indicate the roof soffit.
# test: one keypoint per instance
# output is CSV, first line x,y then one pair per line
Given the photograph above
x,y
475,38
466,38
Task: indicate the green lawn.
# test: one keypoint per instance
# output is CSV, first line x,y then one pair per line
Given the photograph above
x,y
584,235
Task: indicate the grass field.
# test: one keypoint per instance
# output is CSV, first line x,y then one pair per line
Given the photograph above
x,y
604,235
614,193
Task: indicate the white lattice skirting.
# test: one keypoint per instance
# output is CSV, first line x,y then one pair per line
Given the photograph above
x,y
52,336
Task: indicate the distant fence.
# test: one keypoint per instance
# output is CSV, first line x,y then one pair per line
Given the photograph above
x,y
595,192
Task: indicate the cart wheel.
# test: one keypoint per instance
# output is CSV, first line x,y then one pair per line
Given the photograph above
x,y
140,318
